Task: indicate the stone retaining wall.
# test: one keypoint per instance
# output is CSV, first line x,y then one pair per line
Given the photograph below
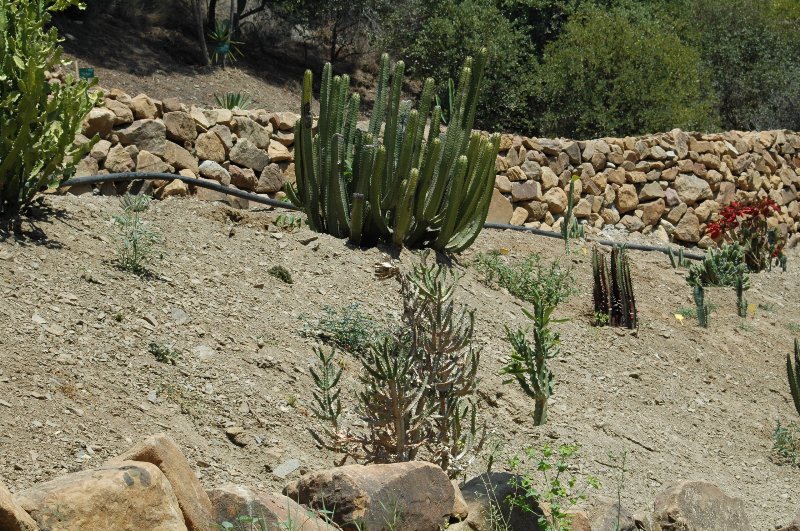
x,y
669,184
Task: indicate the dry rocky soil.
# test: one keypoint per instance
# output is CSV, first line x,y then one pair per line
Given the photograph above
x,y
78,383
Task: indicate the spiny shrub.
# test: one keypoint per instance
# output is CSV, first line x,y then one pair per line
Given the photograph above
x,y
347,328
38,120
393,183
417,385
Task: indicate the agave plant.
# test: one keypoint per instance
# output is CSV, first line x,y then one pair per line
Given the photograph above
x,y
394,182
233,100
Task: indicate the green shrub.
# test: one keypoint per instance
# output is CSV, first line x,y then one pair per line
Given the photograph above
x,y
750,50
530,279
38,121
432,36
281,273
613,73
400,187
786,443
551,482
347,328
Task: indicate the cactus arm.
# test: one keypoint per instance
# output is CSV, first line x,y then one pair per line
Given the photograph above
x,y
353,106
424,110
794,375
405,158
474,87
338,206
375,192
446,232
379,109
392,116
405,208
357,218
309,189
436,120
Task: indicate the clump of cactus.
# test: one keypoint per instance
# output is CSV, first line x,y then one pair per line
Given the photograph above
x,y
394,182
793,371
678,259
613,288
723,267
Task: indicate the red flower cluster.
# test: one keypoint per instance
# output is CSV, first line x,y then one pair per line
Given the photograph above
x,y
737,213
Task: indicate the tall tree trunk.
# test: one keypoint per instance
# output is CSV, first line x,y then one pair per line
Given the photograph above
x,y
211,17
201,34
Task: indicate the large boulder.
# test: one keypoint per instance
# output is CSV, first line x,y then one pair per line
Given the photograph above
x,y
608,515
273,510
211,170
119,160
244,178
209,146
143,107
124,496
249,129
500,208
179,158
279,153
12,516
270,181
698,506
411,496
627,198
688,228
147,162
122,113
150,135
556,199
246,154
692,189
98,121
488,503
180,127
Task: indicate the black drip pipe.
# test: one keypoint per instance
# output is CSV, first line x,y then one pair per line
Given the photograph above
x,y
213,185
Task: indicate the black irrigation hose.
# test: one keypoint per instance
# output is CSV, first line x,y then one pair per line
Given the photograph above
x,y
152,176
212,185
634,246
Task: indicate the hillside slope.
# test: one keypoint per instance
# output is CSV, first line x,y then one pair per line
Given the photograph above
x,y
78,383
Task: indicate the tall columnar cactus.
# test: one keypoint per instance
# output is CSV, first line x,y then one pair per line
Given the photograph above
x,y
793,371
394,182
570,228
613,288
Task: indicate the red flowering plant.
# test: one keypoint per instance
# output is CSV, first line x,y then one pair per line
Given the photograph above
x,y
746,224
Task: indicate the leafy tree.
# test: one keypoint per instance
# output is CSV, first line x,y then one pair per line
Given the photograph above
x,y
433,36
752,60
615,73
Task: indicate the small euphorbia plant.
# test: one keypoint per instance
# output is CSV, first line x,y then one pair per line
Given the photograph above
x,y
747,224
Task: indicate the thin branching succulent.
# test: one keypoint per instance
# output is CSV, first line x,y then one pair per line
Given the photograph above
x,y
613,288
417,385
139,245
393,182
